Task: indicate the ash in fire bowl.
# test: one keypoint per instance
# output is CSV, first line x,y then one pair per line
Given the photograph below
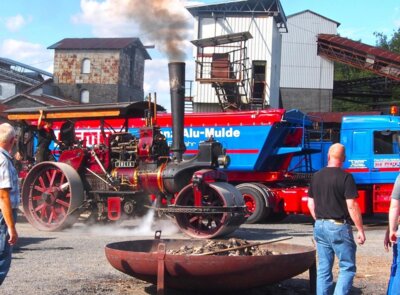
x,y
192,264
231,247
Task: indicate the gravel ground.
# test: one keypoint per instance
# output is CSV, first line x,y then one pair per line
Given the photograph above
x,y
73,261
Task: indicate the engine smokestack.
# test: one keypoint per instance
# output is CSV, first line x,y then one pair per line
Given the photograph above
x,y
177,86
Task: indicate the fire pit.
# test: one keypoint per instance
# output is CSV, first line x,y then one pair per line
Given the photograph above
x,y
149,260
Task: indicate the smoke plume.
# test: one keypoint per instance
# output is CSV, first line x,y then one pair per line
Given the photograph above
x,y
164,21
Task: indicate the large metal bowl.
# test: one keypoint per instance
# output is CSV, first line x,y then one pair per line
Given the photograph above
x,y
140,259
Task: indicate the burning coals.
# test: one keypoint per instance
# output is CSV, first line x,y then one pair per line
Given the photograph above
x,y
231,247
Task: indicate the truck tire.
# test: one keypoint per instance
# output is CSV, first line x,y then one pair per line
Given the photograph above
x,y
253,196
268,199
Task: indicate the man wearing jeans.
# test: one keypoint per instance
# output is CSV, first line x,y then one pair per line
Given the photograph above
x,y
9,199
391,239
332,203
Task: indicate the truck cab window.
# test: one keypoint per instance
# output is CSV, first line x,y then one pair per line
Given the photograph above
x,y
386,142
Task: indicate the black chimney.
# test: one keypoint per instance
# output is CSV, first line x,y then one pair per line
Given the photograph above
x,y
177,86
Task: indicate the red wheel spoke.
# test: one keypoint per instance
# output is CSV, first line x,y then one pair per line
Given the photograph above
x,y
40,207
52,177
63,203
53,215
41,181
37,198
40,189
43,211
62,179
194,219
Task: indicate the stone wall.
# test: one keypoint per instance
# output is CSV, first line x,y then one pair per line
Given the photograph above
x,y
110,79
307,100
104,66
98,93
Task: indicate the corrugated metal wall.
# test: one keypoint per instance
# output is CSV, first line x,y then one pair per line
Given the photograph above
x,y
7,89
265,45
301,67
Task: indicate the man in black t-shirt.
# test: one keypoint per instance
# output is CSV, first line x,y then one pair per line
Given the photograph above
x,y
332,203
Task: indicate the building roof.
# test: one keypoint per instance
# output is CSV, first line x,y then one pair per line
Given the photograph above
x,y
317,14
99,43
238,8
11,63
223,39
43,99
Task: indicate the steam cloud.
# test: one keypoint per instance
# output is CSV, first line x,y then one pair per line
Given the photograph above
x,y
164,21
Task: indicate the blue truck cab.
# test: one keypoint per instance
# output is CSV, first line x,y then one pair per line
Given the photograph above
x,y
372,148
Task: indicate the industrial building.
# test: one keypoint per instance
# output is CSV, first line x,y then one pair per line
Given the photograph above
x,y
262,23
306,78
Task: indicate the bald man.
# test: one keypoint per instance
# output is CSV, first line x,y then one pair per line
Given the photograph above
x,y
332,203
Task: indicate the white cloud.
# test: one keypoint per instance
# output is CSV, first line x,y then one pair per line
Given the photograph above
x,y
14,23
32,54
105,19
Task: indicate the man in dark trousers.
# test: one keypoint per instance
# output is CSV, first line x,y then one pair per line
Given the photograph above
x,y
9,199
332,203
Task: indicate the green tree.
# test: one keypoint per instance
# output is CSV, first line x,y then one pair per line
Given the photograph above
x,y
392,44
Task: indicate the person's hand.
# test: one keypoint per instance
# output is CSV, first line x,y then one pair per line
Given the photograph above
x,y
18,156
13,237
386,241
361,237
392,236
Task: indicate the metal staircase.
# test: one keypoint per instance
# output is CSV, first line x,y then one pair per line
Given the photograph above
x,y
223,63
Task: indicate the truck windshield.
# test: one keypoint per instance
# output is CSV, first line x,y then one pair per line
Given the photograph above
x,y
386,142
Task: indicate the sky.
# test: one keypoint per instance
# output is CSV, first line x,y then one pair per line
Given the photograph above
x,y
28,27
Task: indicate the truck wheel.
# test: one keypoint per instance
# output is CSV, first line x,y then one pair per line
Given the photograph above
x,y
51,194
253,196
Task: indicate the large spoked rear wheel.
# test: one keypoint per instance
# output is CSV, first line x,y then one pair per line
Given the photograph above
x,y
51,194
207,226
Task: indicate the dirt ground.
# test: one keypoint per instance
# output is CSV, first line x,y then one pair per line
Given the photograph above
x,y
73,261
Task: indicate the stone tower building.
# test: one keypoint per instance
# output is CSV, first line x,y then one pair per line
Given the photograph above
x,y
100,70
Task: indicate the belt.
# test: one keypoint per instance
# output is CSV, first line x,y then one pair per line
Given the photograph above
x,y
335,221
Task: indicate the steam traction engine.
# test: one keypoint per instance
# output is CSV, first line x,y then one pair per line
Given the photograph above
x,y
117,176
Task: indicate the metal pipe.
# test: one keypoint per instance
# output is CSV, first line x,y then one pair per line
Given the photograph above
x,y
177,87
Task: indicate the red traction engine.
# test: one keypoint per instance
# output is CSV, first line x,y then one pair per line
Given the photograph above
x,y
115,179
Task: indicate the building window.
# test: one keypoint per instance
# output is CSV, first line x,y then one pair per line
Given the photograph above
x,y
386,142
85,96
259,68
85,66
